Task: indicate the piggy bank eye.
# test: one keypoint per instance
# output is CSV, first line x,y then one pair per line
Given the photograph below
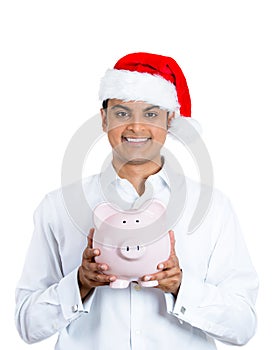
x,y
124,221
137,220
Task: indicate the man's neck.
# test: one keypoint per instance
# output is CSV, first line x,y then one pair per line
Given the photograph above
x,y
137,173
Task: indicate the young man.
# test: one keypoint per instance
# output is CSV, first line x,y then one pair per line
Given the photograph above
x,y
206,289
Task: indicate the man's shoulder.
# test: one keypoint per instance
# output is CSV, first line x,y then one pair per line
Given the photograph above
x,y
73,186
207,194
70,204
73,191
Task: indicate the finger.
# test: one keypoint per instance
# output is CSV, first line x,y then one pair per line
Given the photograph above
x,y
97,280
90,253
169,285
169,264
164,274
100,278
94,267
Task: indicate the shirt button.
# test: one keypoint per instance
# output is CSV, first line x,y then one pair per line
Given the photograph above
x,y
137,287
75,308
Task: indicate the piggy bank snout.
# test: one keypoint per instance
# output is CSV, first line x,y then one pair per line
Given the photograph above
x,y
130,250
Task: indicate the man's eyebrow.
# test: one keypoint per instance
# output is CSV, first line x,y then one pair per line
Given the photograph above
x,y
151,107
129,109
121,106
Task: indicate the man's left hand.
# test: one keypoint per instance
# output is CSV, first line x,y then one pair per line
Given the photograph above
x,y
170,275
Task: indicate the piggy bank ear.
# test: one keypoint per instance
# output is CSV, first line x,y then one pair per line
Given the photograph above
x,y
154,207
102,212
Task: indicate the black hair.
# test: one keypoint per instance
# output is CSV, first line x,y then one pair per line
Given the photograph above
x,y
105,103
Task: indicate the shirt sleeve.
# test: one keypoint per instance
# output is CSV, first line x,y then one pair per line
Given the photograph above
x,y
46,300
221,304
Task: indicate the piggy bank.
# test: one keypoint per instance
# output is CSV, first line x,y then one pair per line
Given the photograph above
x,y
132,242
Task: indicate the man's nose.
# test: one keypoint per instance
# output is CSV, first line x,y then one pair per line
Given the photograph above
x,y
136,124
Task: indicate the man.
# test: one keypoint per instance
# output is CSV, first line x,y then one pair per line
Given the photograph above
x,y
206,289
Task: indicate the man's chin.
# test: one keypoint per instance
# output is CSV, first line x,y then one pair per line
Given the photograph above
x,y
138,161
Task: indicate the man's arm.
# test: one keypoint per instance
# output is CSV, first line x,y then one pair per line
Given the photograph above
x,y
47,300
221,304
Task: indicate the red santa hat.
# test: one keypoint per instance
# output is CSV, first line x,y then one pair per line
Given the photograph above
x,y
151,78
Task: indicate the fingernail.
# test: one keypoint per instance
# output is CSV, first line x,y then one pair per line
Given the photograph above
x,y
160,266
112,279
146,278
103,267
96,252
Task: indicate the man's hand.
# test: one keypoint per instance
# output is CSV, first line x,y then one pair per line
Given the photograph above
x,y
90,274
169,278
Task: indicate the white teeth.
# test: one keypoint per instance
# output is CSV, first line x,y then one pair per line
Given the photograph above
x,y
129,139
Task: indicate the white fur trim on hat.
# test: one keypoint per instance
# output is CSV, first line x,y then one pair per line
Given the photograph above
x,y
135,86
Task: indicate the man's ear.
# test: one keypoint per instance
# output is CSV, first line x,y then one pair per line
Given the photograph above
x,y
104,119
171,115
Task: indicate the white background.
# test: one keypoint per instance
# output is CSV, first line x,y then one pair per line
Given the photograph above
x,y
53,54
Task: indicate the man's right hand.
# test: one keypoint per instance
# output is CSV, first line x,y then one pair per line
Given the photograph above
x,y
90,274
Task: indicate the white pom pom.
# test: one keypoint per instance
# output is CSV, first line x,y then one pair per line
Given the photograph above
x,y
185,129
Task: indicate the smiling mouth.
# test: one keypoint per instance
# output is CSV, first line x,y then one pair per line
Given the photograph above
x,y
135,140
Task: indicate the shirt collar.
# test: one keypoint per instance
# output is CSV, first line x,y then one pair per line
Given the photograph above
x,y
109,176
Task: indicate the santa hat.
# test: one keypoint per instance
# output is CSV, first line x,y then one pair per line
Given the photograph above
x,y
154,79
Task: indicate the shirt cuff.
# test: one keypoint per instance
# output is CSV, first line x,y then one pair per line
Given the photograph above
x,y
193,296
190,294
170,301
70,299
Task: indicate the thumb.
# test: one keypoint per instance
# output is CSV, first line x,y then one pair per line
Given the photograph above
x,y
90,238
172,240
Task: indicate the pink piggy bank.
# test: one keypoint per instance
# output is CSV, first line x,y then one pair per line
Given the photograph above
x,y
132,242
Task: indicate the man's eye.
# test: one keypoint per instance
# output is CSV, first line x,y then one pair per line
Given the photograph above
x,y
122,114
151,114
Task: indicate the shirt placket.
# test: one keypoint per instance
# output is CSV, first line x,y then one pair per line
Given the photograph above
x,y
136,317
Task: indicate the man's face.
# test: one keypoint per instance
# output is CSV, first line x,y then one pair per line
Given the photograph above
x,y
136,130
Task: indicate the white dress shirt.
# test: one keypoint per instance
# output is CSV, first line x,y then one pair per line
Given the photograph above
x,y
215,301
